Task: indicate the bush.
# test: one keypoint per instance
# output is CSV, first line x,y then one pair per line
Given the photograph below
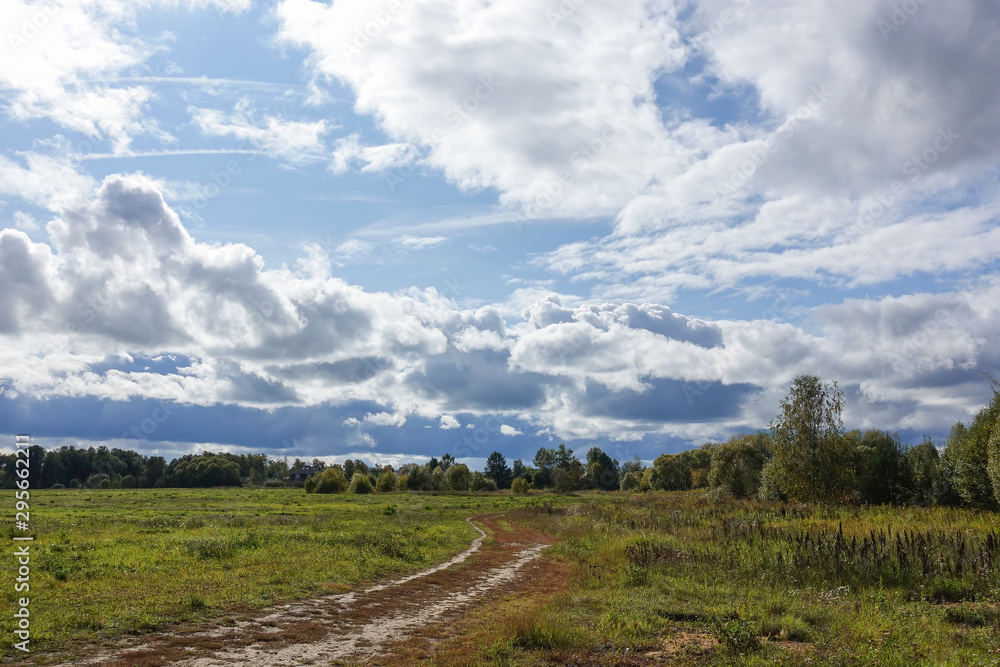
x,y
74,483
361,483
205,470
923,462
331,480
737,465
519,487
387,482
481,482
128,482
105,483
457,477
883,473
419,479
310,484
57,486
736,634
95,481
631,481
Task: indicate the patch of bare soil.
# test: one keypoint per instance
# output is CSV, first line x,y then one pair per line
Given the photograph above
x,y
348,627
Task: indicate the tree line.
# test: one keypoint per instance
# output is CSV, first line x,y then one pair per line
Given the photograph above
x,y
804,455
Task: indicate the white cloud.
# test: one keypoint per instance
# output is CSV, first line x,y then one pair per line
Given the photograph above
x,y
59,62
295,141
699,205
509,430
418,243
25,222
45,181
449,422
353,250
510,100
350,149
384,419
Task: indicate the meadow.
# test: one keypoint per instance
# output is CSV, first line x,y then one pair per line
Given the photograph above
x,y
648,578
110,563
678,578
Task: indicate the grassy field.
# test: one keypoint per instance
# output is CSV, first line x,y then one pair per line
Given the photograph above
x,y
650,578
110,563
674,578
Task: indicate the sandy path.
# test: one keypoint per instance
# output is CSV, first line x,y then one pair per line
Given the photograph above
x,y
347,627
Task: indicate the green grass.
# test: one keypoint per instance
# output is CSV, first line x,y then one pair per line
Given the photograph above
x,y
765,583
754,583
107,563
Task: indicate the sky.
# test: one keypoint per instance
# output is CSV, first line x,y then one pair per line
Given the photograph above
x,y
391,230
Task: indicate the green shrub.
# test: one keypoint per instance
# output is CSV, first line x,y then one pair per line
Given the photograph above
x,y
387,481
736,634
361,483
519,487
105,483
57,486
331,480
128,482
481,482
95,481
631,481
457,477
737,465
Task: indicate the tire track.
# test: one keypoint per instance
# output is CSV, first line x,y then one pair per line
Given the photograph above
x,y
349,625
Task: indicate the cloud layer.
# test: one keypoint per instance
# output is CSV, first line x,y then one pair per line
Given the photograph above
x,y
718,163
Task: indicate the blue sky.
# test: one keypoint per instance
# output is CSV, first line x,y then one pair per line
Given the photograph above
x,y
392,230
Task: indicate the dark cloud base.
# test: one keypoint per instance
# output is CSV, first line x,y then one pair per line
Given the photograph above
x,y
668,400
290,431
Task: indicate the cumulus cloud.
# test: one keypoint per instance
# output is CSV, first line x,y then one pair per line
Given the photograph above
x,y
868,157
511,100
854,166
122,273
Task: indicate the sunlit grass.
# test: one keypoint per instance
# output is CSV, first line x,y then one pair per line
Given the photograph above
x,y
691,581
107,563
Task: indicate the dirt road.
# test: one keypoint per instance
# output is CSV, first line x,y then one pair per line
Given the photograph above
x,y
353,627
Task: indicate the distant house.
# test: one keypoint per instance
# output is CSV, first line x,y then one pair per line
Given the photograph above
x,y
303,473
